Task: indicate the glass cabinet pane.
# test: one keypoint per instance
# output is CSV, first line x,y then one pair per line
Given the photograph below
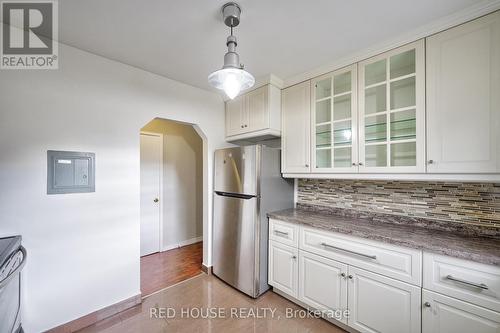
x,y
323,111
375,72
403,125
376,128
342,83
403,64
323,136
375,99
389,111
342,157
342,133
404,154
323,158
403,93
376,155
324,88
342,107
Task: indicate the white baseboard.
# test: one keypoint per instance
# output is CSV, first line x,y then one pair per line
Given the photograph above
x,y
182,243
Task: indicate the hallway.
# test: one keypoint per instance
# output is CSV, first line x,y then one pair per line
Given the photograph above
x,y
163,269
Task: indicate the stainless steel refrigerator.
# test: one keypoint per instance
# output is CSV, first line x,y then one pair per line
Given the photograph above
x,y
247,185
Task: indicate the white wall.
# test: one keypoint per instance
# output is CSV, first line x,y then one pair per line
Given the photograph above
x,y
83,249
182,195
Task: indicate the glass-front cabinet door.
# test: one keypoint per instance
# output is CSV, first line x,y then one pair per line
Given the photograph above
x,y
334,121
391,111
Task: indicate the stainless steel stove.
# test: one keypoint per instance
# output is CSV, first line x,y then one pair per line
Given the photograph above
x,y
12,259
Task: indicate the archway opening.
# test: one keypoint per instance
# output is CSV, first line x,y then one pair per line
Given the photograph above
x,y
172,205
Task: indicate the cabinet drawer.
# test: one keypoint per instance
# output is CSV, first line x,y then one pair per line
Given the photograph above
x,y
466,280
392,261
283,232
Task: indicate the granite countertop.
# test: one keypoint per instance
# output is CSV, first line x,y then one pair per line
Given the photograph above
x,y
471,247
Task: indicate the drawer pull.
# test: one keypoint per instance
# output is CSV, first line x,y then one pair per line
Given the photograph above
x,y
353,252
281,233
472,284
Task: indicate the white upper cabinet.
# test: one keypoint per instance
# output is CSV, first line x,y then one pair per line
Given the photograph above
x,y
463,98
334,121
256,114
296,135
235,114
392,111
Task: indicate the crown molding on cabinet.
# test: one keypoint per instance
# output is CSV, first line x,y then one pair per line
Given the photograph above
x,y
460,17
262,81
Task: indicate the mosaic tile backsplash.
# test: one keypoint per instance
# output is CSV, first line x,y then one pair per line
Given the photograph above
x,y
470,203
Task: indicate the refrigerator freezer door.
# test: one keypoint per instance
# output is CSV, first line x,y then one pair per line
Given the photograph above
x,y
235,245
236,170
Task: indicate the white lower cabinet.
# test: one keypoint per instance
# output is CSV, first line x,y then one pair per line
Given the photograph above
x,y
283,268
380,304
443,314
322,283
459,295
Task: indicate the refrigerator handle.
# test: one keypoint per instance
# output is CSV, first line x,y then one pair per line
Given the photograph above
x,y
235,195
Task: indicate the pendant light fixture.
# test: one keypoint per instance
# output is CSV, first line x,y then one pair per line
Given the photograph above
x,y
232,78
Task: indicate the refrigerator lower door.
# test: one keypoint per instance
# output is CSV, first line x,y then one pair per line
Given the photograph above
x,y
235,241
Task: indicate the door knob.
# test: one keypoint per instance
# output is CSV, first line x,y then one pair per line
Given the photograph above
x,y
156,200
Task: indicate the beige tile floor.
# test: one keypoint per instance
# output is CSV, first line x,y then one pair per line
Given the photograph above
x,y
209,293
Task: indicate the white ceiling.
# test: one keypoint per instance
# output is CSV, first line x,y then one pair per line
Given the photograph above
x,y
185,39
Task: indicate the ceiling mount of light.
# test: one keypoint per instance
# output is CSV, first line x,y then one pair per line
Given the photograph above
x,y
232,78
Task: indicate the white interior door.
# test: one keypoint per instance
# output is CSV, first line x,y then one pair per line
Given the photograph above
x,y
151,159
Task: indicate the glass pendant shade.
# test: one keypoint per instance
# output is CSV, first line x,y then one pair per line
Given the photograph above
x,y
231,80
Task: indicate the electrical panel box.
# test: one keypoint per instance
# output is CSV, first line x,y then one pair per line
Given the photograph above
x,y
70,172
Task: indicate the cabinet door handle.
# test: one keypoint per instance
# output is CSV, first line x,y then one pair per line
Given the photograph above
x,y
294,257
350,276
307,165
281,233
354,164
472,284
430,161
349,251
360,163
342,274
427,304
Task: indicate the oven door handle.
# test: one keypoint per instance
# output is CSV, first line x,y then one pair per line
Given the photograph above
x,y
6,280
